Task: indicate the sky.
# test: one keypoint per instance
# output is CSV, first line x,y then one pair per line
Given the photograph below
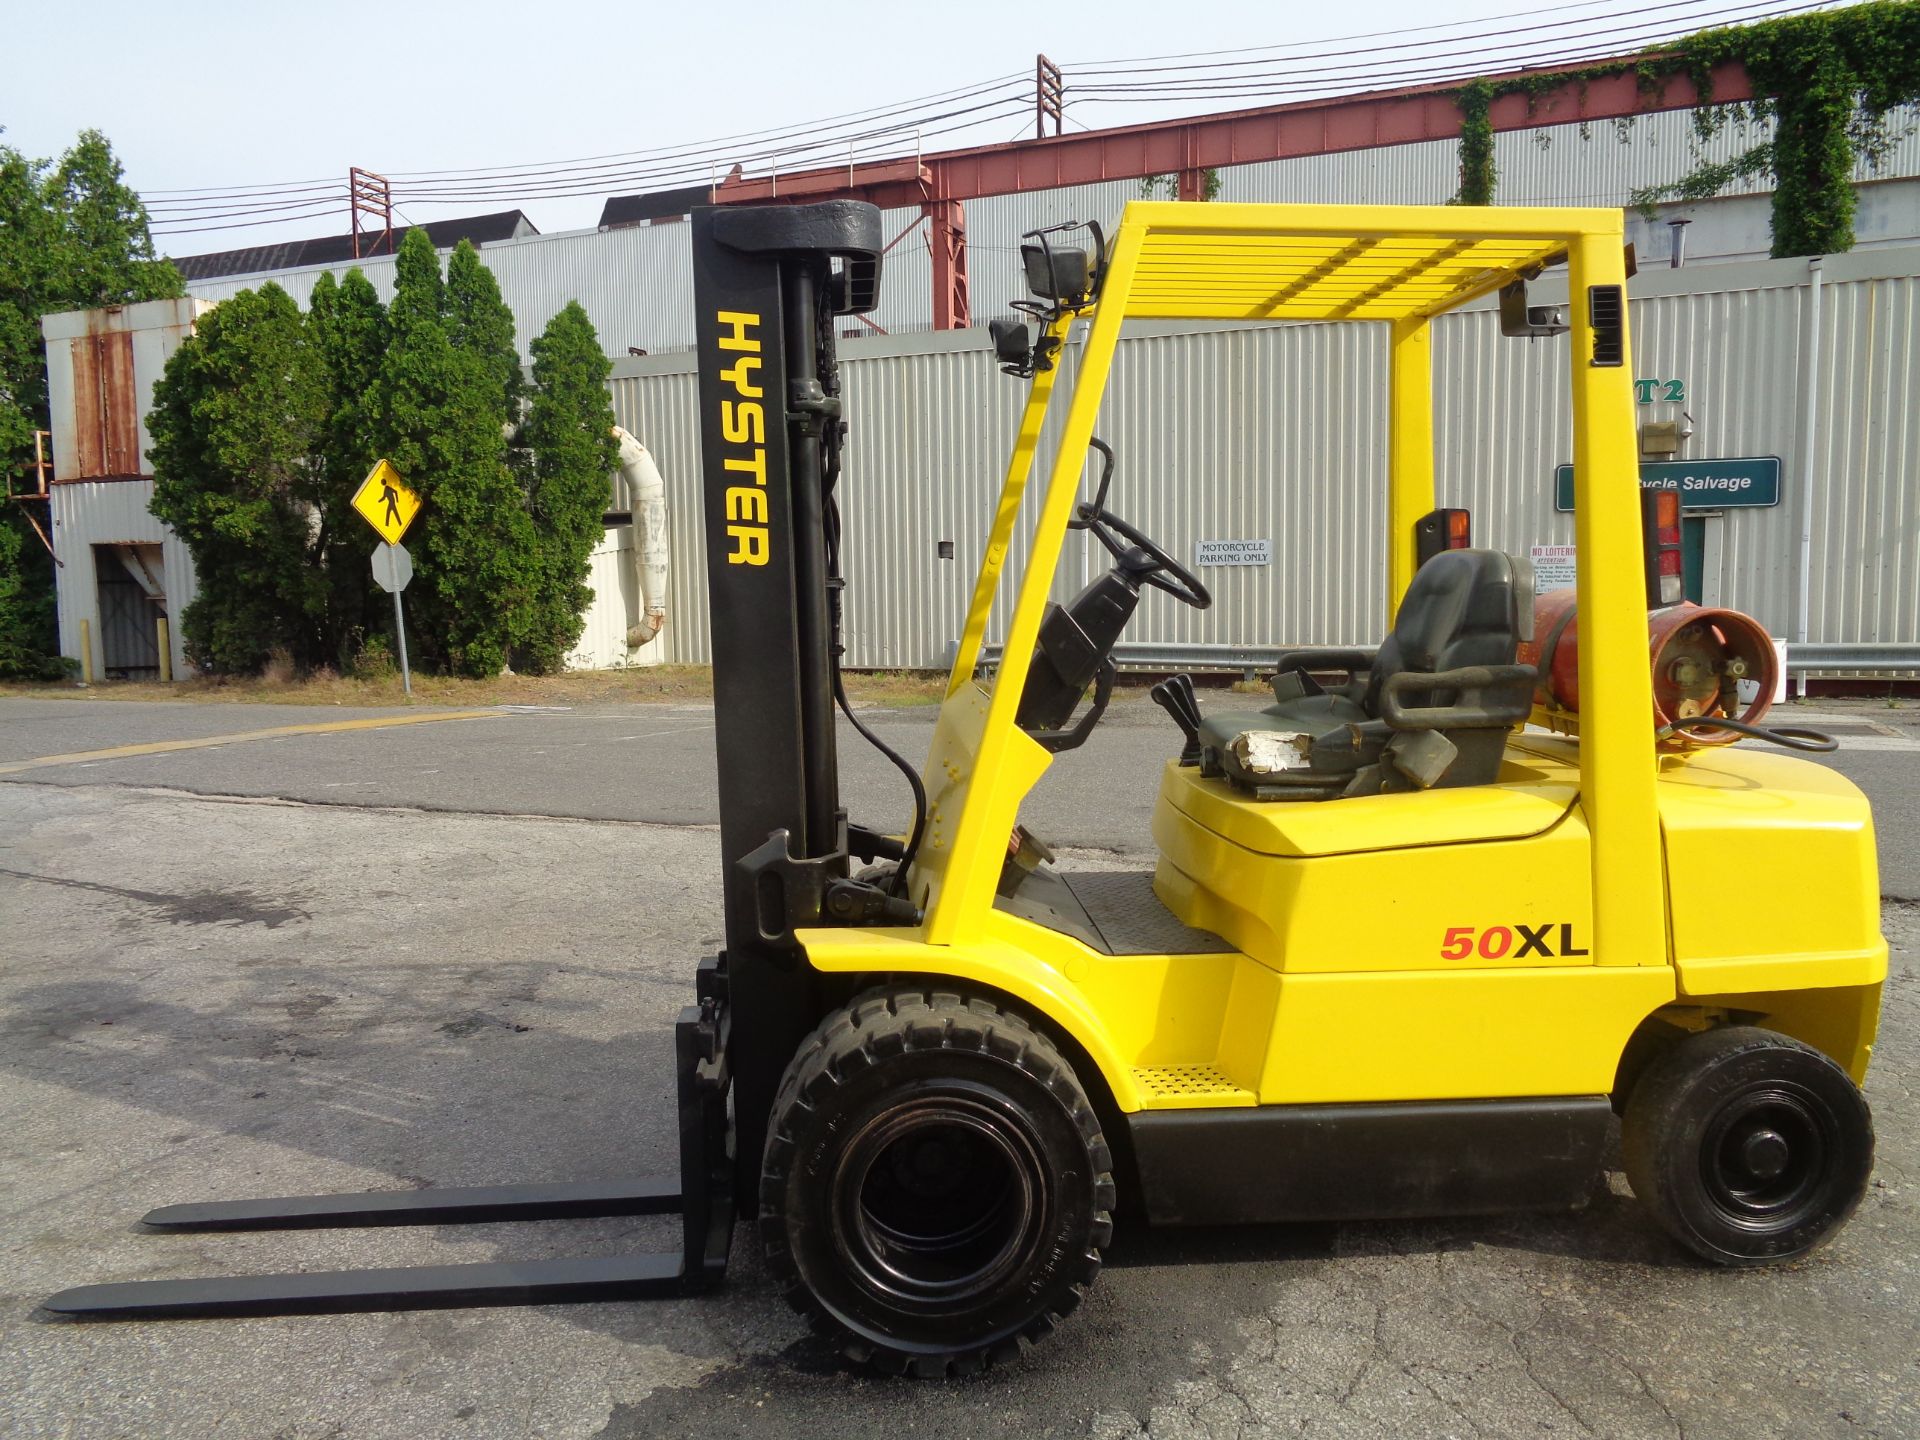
x,y
200,95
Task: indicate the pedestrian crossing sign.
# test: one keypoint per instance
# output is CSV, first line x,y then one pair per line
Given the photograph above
x,y
386,502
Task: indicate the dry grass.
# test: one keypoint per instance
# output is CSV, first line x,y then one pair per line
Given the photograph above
x,y
651,684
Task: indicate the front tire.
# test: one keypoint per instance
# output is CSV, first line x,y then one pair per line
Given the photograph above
x,y
936,1188
1748,1147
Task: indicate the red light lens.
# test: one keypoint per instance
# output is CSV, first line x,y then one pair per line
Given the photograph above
x,y
1665,566
1459,529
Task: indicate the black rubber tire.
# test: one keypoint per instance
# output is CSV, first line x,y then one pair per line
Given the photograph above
x,y
1711,1119
936,1188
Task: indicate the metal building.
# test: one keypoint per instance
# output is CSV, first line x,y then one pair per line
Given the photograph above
x,y
1270,433
1277,433
119,571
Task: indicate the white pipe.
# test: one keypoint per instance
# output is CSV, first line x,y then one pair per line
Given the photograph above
x,y
1810,404
647,499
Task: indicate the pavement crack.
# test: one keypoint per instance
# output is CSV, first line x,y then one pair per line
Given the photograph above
x,y
220,797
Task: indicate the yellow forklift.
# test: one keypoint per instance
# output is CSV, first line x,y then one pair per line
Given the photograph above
x,y
1403,952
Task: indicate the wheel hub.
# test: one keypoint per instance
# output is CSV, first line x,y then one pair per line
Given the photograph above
x,y
1765,1154
1766,1158
937,1201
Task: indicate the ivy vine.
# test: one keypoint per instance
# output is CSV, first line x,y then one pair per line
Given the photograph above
x,y
1478,174
1828,81
1152,185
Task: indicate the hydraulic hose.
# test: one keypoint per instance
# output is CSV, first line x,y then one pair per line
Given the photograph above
x,y
836,587
1787,737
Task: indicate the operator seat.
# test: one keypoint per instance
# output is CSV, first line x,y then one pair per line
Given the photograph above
x,y
1430,708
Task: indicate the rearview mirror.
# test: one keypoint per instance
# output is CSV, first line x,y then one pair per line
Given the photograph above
x,y
1012,342
1012,347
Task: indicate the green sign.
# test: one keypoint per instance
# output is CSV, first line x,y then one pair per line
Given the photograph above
x,y
1703,484
1665,392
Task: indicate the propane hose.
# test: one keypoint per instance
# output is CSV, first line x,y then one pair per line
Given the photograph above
x,y
1787,737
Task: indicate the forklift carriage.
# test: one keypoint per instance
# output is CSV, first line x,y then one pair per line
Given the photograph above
x,y
1401,955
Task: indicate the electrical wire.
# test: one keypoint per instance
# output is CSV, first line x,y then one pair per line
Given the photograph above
x,y
700,148
1453,49
859,121
1480,59
822,151
1156,64
1296,44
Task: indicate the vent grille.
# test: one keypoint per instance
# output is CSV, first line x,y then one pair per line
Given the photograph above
x,y
1607,310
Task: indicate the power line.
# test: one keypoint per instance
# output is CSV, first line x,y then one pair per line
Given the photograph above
x,y
822,150
820,153
754,136
1084,65
825,149
1610,41
880,131
701,148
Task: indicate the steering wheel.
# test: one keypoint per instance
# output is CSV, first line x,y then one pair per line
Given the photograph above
x,y
1144,562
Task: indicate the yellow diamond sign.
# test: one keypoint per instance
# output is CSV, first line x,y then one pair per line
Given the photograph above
x,y
386,502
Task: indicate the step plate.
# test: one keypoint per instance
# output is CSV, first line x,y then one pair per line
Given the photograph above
x,y
411,1287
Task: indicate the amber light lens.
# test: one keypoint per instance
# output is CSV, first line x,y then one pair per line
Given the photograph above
x,y
1666,568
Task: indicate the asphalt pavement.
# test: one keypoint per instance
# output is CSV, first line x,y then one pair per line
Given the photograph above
x,y
655,764
348,955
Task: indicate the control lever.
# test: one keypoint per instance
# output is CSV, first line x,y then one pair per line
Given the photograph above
x,y
1175,696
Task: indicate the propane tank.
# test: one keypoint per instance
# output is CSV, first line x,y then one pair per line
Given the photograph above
x,y
1700,658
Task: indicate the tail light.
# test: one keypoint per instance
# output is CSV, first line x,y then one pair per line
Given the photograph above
x,y
1441,530
1666,566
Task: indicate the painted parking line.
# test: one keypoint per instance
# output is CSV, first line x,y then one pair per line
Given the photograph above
x,y
162,747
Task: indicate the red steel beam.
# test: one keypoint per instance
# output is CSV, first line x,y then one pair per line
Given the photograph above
x,y
1241,137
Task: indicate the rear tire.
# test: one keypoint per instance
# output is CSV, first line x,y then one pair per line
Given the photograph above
x,y
936,1188
1748,1147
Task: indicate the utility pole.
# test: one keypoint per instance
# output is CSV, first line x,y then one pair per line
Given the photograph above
x,y
370,195
1048,88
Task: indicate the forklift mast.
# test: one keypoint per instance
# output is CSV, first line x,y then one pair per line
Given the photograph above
x,y
769,282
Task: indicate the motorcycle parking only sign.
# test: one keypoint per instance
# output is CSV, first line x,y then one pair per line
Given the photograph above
x,y
1233,552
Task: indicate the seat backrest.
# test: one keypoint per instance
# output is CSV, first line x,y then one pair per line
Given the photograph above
x,y
1464,607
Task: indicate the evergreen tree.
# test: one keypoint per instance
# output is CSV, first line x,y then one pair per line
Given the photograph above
x,y
72,236
569,437
347,325
480,324
441,415
237,419
26,608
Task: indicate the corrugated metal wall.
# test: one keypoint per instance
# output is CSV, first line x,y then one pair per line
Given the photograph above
x,y
108,512
615,610
1278,433
1866,535
635,283
1554,165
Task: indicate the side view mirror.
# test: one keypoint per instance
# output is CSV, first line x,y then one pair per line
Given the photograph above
x,y
1012,346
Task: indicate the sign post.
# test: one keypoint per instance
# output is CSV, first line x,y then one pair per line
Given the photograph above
x,y
386,503
392,569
